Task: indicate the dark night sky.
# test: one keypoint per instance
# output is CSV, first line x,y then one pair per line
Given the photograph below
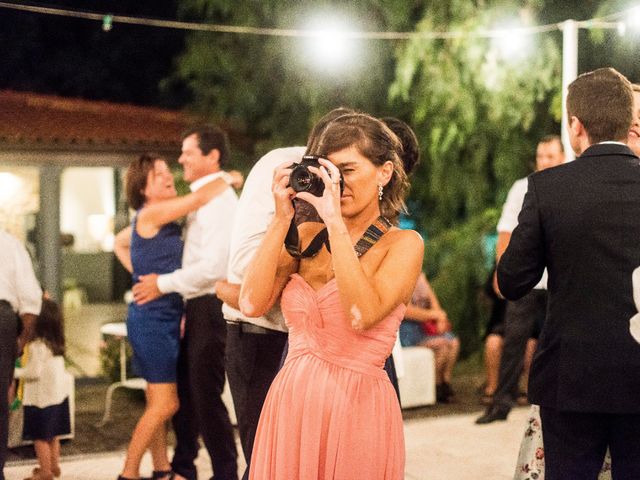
x,y
74,57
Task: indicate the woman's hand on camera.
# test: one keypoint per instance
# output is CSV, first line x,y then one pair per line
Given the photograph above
x,y
328,205
282,192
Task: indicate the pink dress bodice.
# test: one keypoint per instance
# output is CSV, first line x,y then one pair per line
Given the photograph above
x,y
319,326
331,412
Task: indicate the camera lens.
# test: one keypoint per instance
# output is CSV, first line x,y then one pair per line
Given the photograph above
x,y
302,181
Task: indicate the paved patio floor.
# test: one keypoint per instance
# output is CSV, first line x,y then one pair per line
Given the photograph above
x,y
441,448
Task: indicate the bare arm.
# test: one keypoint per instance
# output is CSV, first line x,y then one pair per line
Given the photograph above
x,y
501,246
268,272
271,266
234,178
154,216
442,319
122,248
369,299
414,312
229,293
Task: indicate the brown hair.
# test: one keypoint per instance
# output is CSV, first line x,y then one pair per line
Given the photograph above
x,y
136,178
552,138
635,87
50,326
211,137
410,150
603,101
318,128
374,140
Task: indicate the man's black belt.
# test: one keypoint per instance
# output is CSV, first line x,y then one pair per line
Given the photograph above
x,y
246,327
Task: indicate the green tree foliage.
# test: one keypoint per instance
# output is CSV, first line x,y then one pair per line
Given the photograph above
x,y
271,88
478,113
608,48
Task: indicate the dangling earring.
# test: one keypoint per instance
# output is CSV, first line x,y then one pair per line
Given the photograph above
x,y
380,191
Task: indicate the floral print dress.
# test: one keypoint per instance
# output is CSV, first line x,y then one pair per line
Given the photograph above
x,y
530,464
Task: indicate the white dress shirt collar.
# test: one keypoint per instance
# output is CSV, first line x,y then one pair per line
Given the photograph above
x,y
202,181
611,141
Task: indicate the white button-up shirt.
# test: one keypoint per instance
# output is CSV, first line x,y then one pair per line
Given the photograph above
x,y
509,218
18,283
206,245
255,211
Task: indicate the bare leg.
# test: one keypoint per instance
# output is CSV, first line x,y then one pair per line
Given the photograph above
x,y
54,446
158,448
492,354
452,357
43,452
440,349
532,344
162,403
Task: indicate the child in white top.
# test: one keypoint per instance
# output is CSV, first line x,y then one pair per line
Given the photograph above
x,y
46,391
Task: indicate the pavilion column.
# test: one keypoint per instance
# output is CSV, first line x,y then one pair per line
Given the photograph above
x,y
48,240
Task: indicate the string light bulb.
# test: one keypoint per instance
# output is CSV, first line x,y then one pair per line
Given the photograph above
x,y
107,23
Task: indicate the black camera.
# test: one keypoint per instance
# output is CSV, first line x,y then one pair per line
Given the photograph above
x,y
303,180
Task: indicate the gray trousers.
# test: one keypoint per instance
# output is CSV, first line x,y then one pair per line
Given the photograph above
x,y
522,317
8,337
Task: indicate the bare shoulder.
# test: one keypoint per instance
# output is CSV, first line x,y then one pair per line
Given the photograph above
x,y
405,240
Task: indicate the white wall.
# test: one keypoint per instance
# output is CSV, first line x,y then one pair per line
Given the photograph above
x,y
87,207
19,199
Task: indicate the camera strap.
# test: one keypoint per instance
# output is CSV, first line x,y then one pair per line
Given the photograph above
x,y
292,242
375,231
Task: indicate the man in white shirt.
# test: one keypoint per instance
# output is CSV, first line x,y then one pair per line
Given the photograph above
x,y
201,371
522,317
254,345
20,295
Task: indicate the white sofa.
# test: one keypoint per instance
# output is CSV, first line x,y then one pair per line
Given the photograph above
x,y
418,379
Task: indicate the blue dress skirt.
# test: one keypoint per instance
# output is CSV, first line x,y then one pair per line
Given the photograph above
x,y
154,328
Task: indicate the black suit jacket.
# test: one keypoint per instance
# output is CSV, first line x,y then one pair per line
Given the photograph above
x,y
581,220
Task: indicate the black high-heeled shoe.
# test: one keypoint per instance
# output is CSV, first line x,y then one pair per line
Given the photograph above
x,y
163,475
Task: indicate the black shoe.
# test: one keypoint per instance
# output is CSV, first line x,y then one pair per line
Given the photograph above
x,y
441,393
493,414
163,475
448,392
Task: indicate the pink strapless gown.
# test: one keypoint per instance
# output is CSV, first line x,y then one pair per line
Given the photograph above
x,y
331,412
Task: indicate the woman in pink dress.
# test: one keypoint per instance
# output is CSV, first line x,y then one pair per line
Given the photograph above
x,y
331,412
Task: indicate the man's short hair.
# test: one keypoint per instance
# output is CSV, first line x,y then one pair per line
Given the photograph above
x,y
552,138
603,102
210,137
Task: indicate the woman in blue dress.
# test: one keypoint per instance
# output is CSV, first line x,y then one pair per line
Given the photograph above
x,y
154,244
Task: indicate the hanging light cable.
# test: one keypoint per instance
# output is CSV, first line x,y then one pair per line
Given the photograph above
x,y
108,20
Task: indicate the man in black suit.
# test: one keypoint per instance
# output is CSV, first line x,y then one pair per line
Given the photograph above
x,y
581,221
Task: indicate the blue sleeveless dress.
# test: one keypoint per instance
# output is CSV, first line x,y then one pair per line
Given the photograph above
x,y
154,328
